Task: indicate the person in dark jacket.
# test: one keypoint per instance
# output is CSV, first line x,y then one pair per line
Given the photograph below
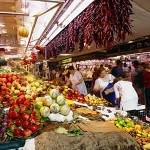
x,y
137,79
147,91
117,71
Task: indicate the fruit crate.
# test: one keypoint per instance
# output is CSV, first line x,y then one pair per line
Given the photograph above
x,y
141,111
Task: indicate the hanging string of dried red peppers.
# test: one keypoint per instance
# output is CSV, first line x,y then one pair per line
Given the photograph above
x,y
104,21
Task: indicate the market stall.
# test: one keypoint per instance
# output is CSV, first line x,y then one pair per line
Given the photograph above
x,y
37,113
32,109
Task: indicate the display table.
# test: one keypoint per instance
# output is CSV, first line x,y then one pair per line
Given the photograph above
x,y
88,141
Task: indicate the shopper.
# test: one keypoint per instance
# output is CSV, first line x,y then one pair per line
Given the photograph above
x,y
117,71
137,79
104,85
66,78
127,72
147,90
77,80
125,91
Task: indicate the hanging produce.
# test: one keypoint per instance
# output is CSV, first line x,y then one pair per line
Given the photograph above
x,y
23,31
33,57
38,47
102,22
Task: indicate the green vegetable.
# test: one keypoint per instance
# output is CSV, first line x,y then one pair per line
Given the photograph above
x,y
75,132
61,130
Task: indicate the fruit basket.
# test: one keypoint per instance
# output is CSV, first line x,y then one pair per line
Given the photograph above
x,y
27,137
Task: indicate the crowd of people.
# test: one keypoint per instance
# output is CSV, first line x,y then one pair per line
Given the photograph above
x,y
123,86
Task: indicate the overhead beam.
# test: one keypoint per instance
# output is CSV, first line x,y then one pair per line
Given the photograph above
x,y
13,13
35,21
40,14
34,24
52,1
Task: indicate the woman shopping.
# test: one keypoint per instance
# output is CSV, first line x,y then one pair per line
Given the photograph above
x,y
77,80
104,84
126,93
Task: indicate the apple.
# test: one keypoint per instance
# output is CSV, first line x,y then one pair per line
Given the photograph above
x,y
9,80
18,123
14,78
1,99
16,92
8,85
33,95
17,86
23,109
33,120
21,93
11,102
24,83
25,116
7,97
34,128
5,104
33,114
27,103
17,132
26,125
4,80
4,88
23,89
10,114
20,101
12,127
26,132
10,121
15,115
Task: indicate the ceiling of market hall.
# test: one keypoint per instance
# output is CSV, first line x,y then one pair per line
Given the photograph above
x,y
37,15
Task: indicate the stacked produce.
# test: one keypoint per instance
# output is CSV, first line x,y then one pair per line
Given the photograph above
x,y
138,131
54,106
75,96
23,120
64,89
38,86
10,85
3,124
93,100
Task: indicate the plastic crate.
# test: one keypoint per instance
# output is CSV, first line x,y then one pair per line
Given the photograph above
x,y
141,113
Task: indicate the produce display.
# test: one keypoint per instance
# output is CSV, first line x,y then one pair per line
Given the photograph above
x,y
10,85
31,102
54,106
23,119
37,85
93,100
75,96
138,131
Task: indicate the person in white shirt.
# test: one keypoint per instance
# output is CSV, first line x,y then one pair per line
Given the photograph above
x,y
127,94
77,81
104,84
